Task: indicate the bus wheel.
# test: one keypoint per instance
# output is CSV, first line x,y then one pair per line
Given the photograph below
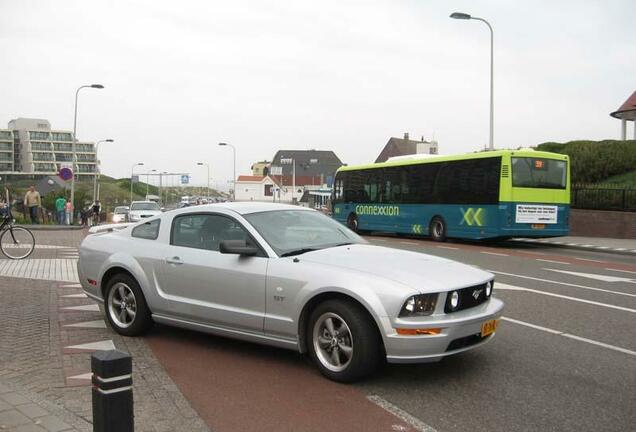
x,y
437,229
352,222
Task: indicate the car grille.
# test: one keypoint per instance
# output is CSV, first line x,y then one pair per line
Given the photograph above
x,y
467,298
465,341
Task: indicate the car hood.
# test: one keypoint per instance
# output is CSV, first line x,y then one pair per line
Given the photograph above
x,y
426,273
145,212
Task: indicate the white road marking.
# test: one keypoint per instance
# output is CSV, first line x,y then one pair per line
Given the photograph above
x,y
379,239
85,376
88,324
576,299
603,278
416,423
63,270
494,253
563,283
94,346
409,243
571,336
81,295
447,247
622,271
589,259
83,308
552,261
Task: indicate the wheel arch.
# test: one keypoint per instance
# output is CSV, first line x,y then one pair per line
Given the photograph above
x,y
130,268
319,298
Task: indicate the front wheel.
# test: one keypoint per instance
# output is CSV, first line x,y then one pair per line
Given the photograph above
x,y
17,243
126,307
345,344
437,229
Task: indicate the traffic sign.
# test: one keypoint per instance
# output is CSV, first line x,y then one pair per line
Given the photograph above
x,y
65,173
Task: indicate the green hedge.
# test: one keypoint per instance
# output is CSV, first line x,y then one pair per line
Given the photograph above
x,y
595,161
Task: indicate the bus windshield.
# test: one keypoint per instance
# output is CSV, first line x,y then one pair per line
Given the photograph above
x,y
528,172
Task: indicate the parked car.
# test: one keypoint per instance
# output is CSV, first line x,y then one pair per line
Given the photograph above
x,y
291,277
120,214
143,209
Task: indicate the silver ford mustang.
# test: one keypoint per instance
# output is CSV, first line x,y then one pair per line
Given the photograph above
x,y
289,277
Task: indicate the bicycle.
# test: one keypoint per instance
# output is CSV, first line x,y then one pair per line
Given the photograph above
x,y
16,242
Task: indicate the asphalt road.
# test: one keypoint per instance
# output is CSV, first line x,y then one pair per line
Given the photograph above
x,y
564,358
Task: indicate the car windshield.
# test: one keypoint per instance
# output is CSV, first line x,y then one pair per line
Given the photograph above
x,y
292,232
538,173
121,210
144,206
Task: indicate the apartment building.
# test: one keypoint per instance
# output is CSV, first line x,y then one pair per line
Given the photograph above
x,y
30,146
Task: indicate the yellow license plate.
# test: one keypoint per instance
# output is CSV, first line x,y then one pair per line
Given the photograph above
x,y
538,226
488,328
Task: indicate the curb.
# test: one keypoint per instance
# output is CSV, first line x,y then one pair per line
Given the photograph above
x,y
39,227
579,246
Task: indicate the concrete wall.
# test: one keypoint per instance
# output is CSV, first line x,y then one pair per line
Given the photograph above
x,y
599,223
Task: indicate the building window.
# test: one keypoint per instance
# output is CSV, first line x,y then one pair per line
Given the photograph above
x,y
268,190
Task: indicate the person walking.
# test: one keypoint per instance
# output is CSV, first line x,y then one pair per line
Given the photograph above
x,y
60,206
68,210
33,202
95,210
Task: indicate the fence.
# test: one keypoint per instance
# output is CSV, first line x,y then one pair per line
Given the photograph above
x,y
603,197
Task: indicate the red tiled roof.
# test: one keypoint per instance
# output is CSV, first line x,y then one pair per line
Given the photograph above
x,y
248,178
627,110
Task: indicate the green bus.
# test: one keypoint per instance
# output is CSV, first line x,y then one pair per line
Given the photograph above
x,y
488,194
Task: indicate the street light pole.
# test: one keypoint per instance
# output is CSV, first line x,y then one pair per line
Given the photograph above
x,y
465,16
73,162
208,166
131,179
234,178
95,189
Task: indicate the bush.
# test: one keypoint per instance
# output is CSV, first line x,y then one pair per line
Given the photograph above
x,y
595,161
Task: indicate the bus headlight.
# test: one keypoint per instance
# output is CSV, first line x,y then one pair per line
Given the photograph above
x,y
419,305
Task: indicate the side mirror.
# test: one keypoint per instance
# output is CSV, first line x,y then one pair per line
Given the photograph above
x,y
237,247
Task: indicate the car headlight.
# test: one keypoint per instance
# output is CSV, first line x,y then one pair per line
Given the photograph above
x,y
489,287
419,305
454,300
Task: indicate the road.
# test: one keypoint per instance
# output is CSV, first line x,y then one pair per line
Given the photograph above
x,y
564,358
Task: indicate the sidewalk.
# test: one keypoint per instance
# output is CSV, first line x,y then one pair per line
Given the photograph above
x,y
619,246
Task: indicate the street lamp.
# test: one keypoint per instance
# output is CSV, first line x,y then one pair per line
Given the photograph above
x,y
234,178
148,180
207,165
465,16
74,164
95,189
131,178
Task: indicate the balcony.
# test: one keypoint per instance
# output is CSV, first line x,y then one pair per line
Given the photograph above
x,y
38,136
61,136
63,147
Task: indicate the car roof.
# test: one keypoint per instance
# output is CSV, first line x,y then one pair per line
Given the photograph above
x,y
137,202
246,207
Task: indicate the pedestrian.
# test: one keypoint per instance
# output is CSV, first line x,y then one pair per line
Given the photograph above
x,y
33,201
68,210
97,207
60,205
84,217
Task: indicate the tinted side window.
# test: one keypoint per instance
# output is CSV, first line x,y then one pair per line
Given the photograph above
x,y
205,231
148,230
474,181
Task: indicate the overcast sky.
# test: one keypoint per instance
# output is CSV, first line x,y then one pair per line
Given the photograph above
x,y
339,75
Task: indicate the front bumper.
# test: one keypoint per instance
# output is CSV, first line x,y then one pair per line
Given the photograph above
x,y
460,332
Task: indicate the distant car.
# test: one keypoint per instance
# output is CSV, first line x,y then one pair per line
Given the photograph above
x,y
143,209
290,277
120,214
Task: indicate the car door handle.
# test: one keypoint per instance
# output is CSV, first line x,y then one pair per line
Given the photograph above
x,y
174,260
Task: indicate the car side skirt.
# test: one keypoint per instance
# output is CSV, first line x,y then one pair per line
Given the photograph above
x,y
227,332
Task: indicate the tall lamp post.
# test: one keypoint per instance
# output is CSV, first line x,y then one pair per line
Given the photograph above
x,y
465,16
234,178
74,164
208,166
95,189
131,178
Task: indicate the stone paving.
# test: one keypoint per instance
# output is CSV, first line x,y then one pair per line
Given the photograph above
x,y
49,329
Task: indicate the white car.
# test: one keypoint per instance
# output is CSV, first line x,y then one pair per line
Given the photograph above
x,y
290,277
120,214
143,209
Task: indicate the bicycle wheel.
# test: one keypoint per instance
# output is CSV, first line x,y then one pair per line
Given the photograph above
x,y
17,242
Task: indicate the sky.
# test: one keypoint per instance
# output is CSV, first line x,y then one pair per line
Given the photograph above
x,y
341,75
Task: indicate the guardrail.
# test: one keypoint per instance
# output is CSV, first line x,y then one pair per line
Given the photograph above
x,y
603,197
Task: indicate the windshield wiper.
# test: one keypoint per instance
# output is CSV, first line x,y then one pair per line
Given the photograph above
x,y
298,251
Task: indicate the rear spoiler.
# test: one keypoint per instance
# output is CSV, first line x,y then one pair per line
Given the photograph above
x,y
109,227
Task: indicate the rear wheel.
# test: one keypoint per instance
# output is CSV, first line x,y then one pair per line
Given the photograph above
x,y
352,222
126,308
17,242
345,344
437,229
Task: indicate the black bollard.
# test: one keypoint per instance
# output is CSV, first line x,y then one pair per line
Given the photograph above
x,y
112,392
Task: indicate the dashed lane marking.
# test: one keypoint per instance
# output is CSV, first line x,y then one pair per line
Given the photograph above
x,y
495,253
552,261
576,299
81,295
622,271
591,260
83,308
88,324
571,336
409,243
562,283
603,278
416,423
448,247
